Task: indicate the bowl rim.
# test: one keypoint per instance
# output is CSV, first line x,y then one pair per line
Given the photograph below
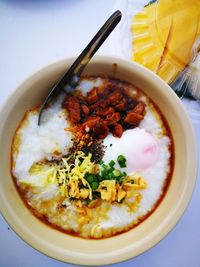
x,y
177,212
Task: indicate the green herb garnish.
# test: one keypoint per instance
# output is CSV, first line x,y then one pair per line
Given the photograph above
x,y
122,161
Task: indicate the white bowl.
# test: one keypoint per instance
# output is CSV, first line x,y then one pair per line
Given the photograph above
x,y
124,246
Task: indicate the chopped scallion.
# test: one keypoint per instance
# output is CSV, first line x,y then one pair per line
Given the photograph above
x,y
117,172
94,185
122,161
112,163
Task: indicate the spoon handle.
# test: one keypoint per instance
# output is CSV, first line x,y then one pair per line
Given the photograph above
x,y
71,78
80,63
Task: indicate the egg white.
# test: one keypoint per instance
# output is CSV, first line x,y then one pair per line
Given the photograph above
x,y
139,148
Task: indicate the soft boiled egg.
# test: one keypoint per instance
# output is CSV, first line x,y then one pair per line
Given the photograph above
x,y
138,146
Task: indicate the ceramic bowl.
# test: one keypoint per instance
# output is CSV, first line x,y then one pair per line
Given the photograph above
x,y
124,246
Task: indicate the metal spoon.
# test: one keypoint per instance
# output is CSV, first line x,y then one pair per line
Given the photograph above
x,y
71,78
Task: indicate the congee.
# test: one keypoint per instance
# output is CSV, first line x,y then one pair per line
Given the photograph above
x,y
100,162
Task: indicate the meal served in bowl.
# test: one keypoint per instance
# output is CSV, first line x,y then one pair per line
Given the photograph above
x,y
108,172
100,162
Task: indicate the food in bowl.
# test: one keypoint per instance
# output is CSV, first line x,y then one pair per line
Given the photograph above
x,y
100,162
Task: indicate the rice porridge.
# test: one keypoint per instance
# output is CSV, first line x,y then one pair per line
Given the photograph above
x,y
100,162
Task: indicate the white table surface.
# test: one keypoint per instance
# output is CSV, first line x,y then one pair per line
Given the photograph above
x,y
34,34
